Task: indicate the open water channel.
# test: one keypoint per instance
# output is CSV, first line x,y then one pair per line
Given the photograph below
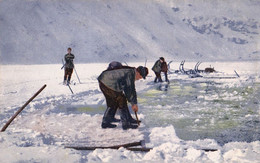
x,y
200,109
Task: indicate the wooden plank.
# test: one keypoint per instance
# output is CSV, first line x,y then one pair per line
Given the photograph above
x,y
14,116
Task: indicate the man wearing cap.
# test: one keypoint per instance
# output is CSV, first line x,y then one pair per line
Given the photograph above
x,y
69,66
157,68
118,87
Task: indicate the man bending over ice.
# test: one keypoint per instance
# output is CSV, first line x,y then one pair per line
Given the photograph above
x,y
118,87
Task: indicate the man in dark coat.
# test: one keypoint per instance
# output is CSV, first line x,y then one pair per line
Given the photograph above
x,y
164,69
118,87
69,66
157,68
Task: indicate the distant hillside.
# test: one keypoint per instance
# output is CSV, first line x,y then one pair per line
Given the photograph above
x,y
37,31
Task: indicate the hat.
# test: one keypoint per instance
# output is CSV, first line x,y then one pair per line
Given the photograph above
x,y
161,58
143,71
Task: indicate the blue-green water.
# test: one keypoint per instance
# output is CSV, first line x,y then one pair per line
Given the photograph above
x,y
198,109
208,109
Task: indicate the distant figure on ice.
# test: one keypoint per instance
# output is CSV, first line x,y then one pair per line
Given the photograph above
x,y
164,68
157,69
69,65
118,86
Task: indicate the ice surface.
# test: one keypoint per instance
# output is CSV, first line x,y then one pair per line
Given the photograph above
x,y
176,124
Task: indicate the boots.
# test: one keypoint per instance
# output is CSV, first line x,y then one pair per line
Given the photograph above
x,y
126,124
113,113
107,125
166,77
68,81
155,80
115,120
130,118
160,79
64,80
108,118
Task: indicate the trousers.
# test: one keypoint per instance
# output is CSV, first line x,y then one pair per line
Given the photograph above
x,y
67,74
115,100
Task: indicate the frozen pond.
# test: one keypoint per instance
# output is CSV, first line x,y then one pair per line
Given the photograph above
x,y
178,119
224,109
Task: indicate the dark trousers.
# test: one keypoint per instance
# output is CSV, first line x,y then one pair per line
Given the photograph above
x,y
166,76
67,73
115,100
158,76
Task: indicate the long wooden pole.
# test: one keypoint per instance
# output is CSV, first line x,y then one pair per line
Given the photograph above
x,y
141,143
128,146
70,88
14,116
142,149
77,75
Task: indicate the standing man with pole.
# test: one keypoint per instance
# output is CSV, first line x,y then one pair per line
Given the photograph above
x,y
69,65
118,87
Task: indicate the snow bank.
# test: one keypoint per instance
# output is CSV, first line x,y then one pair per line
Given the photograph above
x,y
242,152
172,149
29,146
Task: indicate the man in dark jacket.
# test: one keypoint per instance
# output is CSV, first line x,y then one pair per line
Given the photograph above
x,y
69,66
118,87
164,69
157,68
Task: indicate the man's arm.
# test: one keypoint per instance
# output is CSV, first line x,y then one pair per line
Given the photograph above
x,y
129,88
66,58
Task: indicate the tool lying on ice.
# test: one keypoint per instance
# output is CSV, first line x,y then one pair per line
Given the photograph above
x,y
128,146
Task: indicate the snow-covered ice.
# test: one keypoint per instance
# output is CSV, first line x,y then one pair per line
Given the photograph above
x,y
179,120
174,126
